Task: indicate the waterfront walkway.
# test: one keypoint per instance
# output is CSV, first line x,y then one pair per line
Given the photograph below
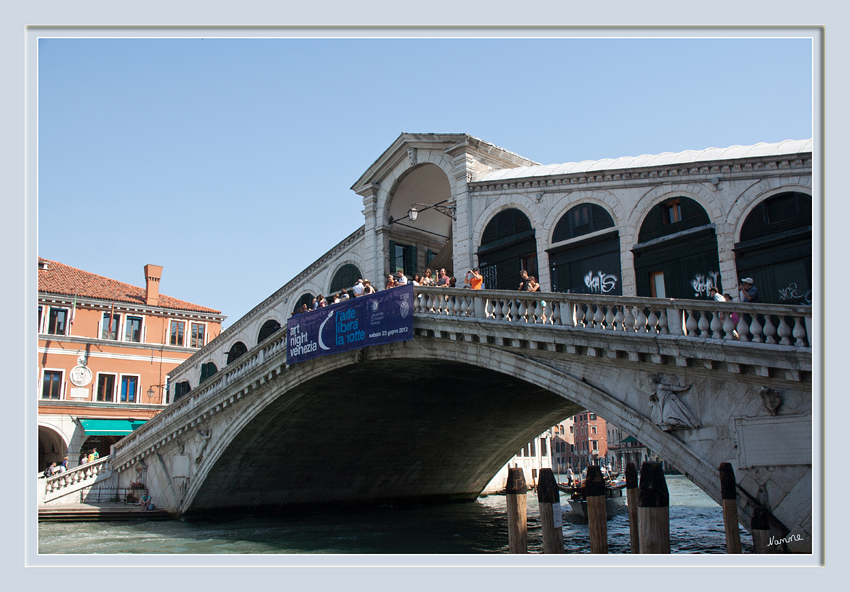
x,y
98,512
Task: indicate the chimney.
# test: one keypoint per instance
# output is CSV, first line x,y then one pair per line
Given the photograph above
x,y
153,273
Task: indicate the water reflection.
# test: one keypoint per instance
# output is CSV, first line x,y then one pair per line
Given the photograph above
x,y
696,526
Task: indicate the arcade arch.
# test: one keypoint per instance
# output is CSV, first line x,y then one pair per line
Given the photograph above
x,y
52,446
413,245
775,248
590,265
676,255
508,246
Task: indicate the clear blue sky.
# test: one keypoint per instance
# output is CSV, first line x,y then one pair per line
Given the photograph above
x,y
229,162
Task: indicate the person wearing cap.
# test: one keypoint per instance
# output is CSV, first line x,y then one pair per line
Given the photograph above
x,y
476,280
749,293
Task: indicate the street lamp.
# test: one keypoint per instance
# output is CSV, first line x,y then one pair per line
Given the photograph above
x,y
449,211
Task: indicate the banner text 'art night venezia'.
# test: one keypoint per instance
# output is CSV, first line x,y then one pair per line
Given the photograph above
x,y
372,319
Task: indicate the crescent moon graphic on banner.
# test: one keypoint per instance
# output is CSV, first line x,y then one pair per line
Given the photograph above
x,y
321,328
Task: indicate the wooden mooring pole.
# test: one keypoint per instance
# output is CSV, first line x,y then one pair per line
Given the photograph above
x,y
761,531
551,520
515,490
597,520
654,511
729,502
633,502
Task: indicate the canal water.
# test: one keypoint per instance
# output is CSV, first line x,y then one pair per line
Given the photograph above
x,y
479,527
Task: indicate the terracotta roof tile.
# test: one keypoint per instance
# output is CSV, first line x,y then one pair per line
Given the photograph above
x,y
63,279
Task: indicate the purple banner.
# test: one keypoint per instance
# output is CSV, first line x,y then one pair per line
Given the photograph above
x,y
372,319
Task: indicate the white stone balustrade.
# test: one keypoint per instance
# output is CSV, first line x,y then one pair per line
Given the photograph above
x,y
704,319
86,474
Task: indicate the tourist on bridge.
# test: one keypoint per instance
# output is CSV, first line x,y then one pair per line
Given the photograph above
x,y
524,284
402,279
749,293
51,470
358,288
417,279
533,286
476,281
368,288
442,279
713,293
64,466
391,283
320,301
427,279
93,455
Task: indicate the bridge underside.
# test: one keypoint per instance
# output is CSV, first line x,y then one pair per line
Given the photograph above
x,y
384,430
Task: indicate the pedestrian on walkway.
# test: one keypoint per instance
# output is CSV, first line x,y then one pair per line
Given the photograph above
x,y
748,292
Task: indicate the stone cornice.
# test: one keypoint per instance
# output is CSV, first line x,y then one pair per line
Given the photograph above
x,y
114,343
246,320
126,307
725,170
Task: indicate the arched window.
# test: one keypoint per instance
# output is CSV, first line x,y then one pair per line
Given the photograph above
x,y
582,219
587,266
672,216
345,277
207,370
181,389
776,249
269,327
238,350
507,247
305,299
671,263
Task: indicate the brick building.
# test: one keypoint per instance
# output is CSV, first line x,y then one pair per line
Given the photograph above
x,y
591,439
104,351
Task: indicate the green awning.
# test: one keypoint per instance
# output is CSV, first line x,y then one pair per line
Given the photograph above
x,y
110,427
628,440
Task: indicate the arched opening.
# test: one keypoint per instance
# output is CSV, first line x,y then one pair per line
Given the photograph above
x,y
101,444
507,247
676,254
305,299
51,447
236,351
269,327
586,266
426,241
775,249
207,370
180,389
345,277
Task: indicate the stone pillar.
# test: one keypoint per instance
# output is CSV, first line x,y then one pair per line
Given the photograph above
x,y
463,257
370,236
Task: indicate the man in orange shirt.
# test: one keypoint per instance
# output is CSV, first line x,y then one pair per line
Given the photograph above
x,y
476,280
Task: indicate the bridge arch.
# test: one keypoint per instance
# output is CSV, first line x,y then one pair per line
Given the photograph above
x,y
549,391
52,445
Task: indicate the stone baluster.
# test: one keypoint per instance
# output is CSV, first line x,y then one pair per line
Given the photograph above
x,y
715,325
662,322
609,319
652,322
755,330
769,330
506,310
464,306
728,327
490,309
629,320
619,320
799,332
520,312
540,313
555,317
703,324
598,317
691,323
743,329
640,321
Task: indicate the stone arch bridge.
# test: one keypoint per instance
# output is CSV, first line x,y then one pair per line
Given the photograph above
x,y
434,417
